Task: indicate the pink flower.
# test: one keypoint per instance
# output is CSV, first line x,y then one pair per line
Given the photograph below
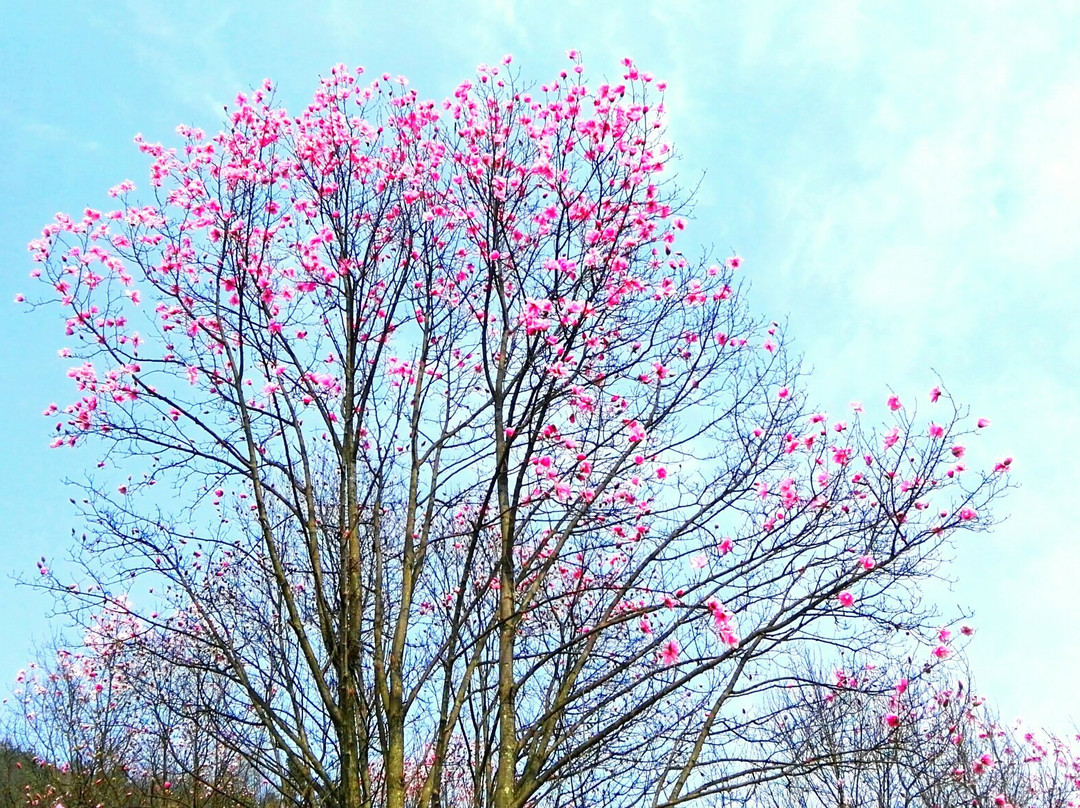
x,y
700,561
941,652
866,562
19,298
982,423
968,513
936,431
669,655
725,546
1003,464
891,437
723,622
661,473
892,720
894,402
783,393
846,599
935,394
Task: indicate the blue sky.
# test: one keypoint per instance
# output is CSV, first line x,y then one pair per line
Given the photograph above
x,y
902,180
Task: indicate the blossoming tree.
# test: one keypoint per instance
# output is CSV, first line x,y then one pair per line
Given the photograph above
x,y
875,739
93,716
75,718
451,475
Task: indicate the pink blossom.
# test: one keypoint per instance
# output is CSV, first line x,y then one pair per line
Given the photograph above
x,y
846,599
724,622
891,437
968,513
894,402
935,394
982,423
669,654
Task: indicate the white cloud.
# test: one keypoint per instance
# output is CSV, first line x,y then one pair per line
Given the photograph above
x,y
948,237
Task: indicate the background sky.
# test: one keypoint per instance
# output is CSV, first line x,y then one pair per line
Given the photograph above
x,y
902,181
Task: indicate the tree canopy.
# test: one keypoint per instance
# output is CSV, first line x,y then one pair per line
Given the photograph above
x,y
434,471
